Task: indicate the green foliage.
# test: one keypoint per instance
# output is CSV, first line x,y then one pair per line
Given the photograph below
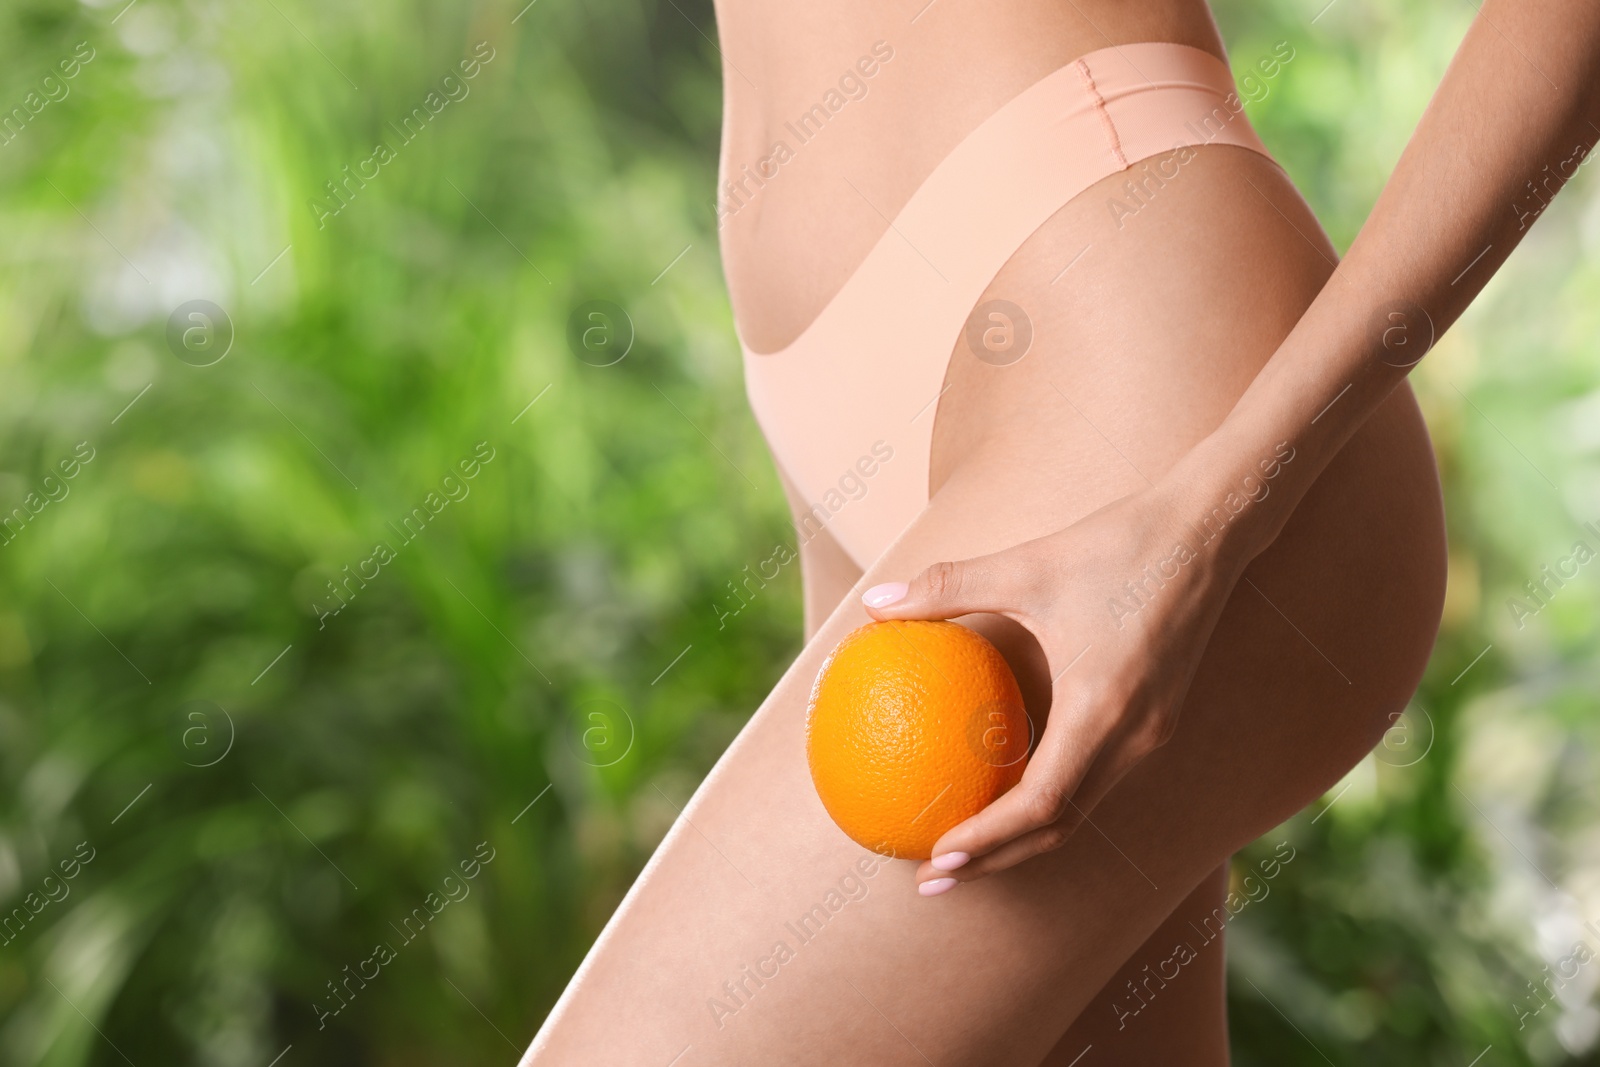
x,y
277,740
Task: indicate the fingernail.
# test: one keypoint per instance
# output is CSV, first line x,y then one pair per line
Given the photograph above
x,y
934,887
881,596
950,861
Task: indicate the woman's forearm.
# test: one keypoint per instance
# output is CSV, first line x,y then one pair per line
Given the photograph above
x,y
1517,111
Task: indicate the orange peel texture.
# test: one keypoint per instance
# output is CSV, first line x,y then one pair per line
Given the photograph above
x,y
912,728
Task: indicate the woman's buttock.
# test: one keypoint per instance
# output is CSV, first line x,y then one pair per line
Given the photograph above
x,y
1148,304
1153,300
1124,330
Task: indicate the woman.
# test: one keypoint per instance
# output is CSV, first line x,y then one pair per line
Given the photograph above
x,y
1043,339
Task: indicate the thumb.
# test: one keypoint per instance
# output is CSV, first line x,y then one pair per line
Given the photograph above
x,y
946,590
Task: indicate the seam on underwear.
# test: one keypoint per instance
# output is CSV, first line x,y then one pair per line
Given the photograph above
x,y
1105,116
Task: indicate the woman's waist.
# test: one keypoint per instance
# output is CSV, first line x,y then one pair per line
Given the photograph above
x,y
911,83
822,233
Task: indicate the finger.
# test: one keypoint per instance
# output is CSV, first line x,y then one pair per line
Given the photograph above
x,y
1111,764
1067,751
931,880
995,584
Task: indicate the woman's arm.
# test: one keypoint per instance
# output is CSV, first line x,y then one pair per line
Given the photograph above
x,y
1518,110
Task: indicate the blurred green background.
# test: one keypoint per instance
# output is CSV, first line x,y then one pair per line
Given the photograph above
x,y
250,790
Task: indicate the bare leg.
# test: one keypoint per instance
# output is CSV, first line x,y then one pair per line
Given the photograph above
x,y
826,570
1167,1004
996,974
759,933
1190,1023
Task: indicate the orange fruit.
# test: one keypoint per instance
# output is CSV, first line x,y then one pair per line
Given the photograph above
x,y
912,728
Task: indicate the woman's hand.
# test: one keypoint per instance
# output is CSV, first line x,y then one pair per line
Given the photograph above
x,y
1123,603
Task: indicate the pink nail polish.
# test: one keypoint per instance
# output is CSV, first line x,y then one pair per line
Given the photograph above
x,y
950,861
934,887
881,596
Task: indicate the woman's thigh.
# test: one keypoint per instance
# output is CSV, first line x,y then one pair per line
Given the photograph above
x,y
1166,1004
827,573
1190,1025
760,933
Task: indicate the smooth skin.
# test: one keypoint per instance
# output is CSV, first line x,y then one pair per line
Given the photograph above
x,y
1184,349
